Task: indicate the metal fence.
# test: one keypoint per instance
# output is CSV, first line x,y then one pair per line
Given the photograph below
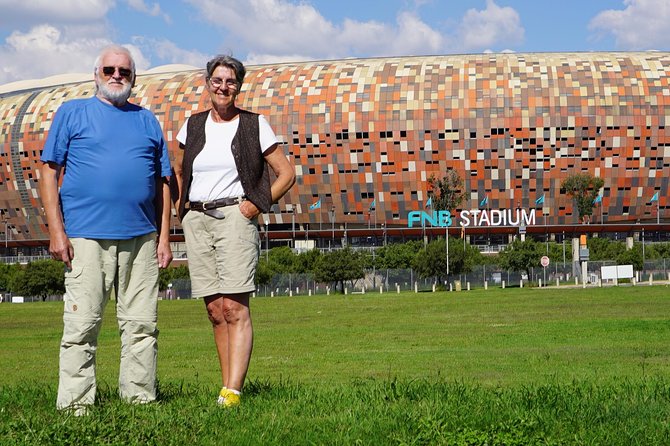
x,y
393,280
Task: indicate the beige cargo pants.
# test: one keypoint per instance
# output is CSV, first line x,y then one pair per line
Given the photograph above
x,y
96,266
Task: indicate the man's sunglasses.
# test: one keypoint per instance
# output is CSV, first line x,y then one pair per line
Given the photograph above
x,y
125,72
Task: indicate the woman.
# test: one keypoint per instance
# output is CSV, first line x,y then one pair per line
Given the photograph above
x,y
224,184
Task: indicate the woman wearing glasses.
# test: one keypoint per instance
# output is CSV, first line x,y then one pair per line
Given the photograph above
x,y
223,184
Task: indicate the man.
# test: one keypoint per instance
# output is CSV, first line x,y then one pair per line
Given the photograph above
x,y
110,228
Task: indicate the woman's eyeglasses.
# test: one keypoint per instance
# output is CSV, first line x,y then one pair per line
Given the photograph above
x,y
217,82
124,72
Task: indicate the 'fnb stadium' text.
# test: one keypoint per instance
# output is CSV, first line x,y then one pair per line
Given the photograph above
x,y
473,217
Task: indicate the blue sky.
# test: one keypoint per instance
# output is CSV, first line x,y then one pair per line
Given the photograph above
x,y
40,38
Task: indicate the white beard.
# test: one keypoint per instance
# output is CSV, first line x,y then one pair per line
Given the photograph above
x,y
116,97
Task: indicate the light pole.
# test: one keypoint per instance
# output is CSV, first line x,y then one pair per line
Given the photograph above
x,y
332,223
446,233
563,249
267,239
293,223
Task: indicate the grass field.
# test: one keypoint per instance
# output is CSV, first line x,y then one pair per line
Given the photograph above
x,y
516,366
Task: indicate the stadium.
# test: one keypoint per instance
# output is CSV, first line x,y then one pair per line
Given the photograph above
x,y
366,135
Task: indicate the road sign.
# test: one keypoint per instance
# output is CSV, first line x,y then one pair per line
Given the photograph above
x,y
544,261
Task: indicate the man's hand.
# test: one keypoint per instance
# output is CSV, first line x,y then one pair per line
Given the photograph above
x,y
164,254
61,249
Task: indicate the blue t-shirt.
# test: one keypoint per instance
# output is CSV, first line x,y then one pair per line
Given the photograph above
x,y
112,157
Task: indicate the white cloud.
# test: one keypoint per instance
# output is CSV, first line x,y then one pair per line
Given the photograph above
x,y
42,52
20,13
275,30
169,52
494,26
154,10
641,25
282,30
46,51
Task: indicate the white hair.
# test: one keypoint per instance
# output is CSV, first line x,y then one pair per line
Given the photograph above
x,y
114,49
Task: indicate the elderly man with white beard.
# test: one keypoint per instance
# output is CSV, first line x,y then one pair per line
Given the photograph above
x,y
109,224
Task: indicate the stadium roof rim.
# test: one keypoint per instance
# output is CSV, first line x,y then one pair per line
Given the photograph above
x,y
73,78
19,87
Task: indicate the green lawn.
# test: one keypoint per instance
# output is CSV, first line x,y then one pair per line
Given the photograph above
x,y
515,366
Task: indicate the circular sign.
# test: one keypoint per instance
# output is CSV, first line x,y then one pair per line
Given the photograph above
x,y
544,261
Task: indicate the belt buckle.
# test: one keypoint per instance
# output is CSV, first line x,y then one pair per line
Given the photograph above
x,y
205,205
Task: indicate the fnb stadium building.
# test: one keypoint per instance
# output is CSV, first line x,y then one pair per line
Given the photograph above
x,y
365,135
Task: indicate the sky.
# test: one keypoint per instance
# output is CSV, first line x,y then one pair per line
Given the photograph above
x,y
41,38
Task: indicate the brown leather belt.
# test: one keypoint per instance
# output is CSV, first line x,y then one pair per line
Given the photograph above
x,y
202,206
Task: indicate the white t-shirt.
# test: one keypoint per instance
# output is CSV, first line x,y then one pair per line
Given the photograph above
x,y
214,171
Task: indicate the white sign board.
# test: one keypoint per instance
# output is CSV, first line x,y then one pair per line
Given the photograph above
x,y
616,272
17,299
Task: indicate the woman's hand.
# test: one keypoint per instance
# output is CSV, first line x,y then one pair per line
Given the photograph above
x,y
249,209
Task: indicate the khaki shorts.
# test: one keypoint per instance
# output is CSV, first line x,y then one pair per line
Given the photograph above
x,y
222,253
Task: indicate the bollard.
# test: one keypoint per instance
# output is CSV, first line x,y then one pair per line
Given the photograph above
x,y
557,282
433,288
486,284
309,293
416,287
633,281
503,284
651,278
297,290
363,290
346,291
576,281
521,283
450,289
381,290
290,293
397,288
327,291
600,283
539,283
272,294
467,285
253,294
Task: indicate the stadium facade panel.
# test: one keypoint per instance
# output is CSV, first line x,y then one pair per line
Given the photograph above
x,y
366,134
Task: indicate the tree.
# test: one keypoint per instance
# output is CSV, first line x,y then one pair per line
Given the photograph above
x,y
42,278
632,257
398,255
601,248
7,273
338,266
521,256
661,250
305,261
583,188
447,193
282,260
431,261
264,273
168,275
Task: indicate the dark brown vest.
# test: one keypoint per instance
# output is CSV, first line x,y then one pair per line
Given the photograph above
x,y
249,160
